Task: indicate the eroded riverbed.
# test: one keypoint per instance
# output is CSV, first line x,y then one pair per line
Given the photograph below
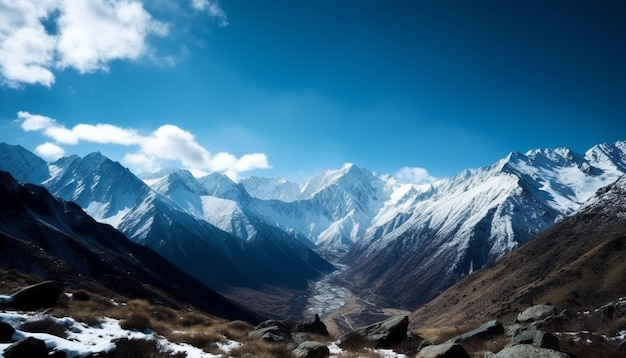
x,y
326,297
340,309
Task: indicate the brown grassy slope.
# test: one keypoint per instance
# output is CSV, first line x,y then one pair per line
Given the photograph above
x,y
578,264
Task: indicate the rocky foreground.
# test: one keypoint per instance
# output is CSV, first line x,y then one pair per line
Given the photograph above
x,y
28,328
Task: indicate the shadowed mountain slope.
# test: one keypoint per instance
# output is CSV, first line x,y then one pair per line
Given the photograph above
x,y
578,264
57,240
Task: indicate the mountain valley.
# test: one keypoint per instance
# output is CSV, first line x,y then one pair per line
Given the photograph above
x,y
263,243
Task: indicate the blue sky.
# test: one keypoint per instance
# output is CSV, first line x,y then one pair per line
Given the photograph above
x,y
291,88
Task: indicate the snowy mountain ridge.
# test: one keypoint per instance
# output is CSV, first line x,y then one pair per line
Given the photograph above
x,y
442,230
475,218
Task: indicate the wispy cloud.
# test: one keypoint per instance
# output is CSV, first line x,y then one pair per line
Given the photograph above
x,y
414,175
165,144
213,8
39,37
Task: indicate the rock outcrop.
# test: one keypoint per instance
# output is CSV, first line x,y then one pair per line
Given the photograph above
x,y
288,332
536,313
536,337
527,351
384,333
448,350
6,332
491,328
37,296
311,349
29,347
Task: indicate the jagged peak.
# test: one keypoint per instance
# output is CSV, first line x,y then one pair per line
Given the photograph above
x,y
96,157
216,177
553,154
182,174
608,148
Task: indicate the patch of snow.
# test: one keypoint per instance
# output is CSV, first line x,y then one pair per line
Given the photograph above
x,y
116,219
335,351
84,340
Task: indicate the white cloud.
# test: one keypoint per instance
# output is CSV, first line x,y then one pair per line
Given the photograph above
x,y
106,133
34,122
414,175
94,32
26,50
214,10
166,143
39,37
172,143
97,133
50,151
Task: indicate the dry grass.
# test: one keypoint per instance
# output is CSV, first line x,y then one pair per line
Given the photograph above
x,y
45,325
355,342
437,335
180,326
480,347
261,349
12,279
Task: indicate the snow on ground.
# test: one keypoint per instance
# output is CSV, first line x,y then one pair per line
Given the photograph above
x,y
83,340
335,350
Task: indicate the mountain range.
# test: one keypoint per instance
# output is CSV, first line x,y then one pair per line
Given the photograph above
x,y
56,239
578,264
401,244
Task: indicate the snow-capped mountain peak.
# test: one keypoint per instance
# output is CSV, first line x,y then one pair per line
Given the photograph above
x,y
23,165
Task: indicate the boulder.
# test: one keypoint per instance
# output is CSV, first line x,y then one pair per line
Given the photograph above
x,y
6,332
384,333
316,326
311,349
536,337
27,348
448,350
528,351
273,331
289,332
491,328
40,295
536,313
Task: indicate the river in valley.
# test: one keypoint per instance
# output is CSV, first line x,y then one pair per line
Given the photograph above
x,y
340,309
326,297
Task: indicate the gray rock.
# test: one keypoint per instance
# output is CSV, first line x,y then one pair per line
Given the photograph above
x,y
311,349
41,295
536,337
448,350
289,332
27,348
315,326
6,332
529,351
536,313
491,328
273,331
385,333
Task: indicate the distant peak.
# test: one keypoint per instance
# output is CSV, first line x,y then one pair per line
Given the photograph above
x,y
96,157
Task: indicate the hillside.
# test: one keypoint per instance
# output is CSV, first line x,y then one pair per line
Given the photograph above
x,y
578,264
56,240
